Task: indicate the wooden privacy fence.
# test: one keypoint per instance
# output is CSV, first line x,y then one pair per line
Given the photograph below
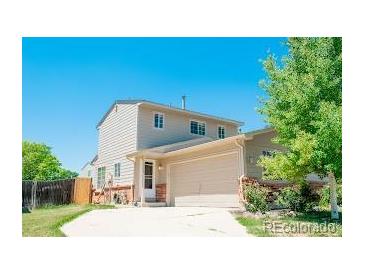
x,y
58,192
82,191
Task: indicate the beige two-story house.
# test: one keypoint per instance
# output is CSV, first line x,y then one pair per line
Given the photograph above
x,y
174,155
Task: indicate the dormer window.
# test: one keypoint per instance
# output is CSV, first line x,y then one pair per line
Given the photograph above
x,y
197,128
221,132
159,120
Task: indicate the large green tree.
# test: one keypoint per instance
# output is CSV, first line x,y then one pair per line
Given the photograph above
x,y
304,105
40,164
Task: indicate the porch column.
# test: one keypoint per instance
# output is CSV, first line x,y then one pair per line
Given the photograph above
x,y
168,185
141,180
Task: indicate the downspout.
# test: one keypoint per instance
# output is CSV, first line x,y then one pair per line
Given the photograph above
x,y
241,158
242,164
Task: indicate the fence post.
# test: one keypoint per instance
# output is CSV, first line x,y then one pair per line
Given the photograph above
x,y
34,194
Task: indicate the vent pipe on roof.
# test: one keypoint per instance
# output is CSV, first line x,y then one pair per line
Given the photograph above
x,y
183,102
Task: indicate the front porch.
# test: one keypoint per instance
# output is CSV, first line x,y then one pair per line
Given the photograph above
x,y
147,178
150,187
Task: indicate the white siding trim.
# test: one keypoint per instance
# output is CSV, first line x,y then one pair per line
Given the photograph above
x,y
137,127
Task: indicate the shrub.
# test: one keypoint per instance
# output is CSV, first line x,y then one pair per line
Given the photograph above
x,y
324,194
256,198
299,198
289,197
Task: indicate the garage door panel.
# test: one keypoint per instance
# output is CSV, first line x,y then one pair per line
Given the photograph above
x,y
206,182
208,201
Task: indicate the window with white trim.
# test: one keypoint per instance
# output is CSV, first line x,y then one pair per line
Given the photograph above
x,y
116,170
158,120
197,128
101,177
221,132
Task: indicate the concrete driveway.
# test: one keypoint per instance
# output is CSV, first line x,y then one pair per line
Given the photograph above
x,y
162,221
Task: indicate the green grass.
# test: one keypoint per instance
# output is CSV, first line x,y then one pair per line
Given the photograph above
x,y
254,226
46,221
317,224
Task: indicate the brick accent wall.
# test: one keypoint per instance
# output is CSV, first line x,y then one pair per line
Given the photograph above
x,y
117,189
273,186
161,192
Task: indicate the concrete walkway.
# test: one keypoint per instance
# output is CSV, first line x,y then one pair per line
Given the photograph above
x,y
162,221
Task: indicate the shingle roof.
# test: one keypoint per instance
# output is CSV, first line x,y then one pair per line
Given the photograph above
x,y
85,165
259,131
146,102
184,147
94,159
180,145
90,162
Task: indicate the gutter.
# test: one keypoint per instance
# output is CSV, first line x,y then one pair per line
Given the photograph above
x,y
204,146
159,155
241,157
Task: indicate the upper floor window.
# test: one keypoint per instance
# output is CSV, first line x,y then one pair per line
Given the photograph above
x,y
101,176
197,127
221,132
117,170
89,173
159,120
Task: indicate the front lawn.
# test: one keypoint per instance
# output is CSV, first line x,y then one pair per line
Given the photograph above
x,y
317,224
46,222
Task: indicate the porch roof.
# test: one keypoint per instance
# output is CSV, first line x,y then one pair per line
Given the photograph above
x,y
161,150
183,147
194,145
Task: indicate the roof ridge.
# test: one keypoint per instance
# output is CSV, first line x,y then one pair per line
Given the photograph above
x,y
137,101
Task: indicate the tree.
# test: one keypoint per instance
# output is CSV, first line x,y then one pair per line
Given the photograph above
x,y
40,164
304,105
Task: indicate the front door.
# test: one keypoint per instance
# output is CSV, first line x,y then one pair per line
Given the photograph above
x,y
149,180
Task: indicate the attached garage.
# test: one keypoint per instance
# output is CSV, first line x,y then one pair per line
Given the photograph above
x,y
200,171
209,181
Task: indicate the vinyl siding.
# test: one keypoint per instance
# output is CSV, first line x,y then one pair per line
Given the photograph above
x,y
117,138
254,149
84,171
176,128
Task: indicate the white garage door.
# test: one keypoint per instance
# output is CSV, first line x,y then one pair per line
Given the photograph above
x,y
210,182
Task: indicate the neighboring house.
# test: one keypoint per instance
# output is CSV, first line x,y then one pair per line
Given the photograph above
x,y
88,169
175,155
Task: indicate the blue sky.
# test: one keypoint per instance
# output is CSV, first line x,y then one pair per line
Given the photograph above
x,y
69,83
